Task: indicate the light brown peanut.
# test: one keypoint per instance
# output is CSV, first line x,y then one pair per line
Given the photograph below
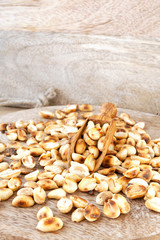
x,y
91,213
44,212
49,224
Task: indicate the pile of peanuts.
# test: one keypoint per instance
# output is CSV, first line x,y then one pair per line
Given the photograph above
x,y
38,151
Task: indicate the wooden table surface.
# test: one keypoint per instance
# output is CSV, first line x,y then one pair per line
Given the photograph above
x,y
140,223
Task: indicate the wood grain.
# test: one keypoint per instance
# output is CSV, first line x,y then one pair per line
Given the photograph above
x,y
81,68
140,223
114,18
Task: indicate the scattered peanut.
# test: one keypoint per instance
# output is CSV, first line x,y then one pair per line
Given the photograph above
x,y
78,215
78,202
91,213
23,201
44,212
39,195
49,224
14,183
64,205
57,193
111,209
5,193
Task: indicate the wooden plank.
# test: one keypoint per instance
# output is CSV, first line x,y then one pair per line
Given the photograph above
x,y
114,18
81,68
140,223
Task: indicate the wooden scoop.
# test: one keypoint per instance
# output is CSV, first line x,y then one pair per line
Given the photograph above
x,y
108,112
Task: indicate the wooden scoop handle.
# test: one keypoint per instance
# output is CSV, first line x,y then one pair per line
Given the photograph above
x,y
108,140
108,110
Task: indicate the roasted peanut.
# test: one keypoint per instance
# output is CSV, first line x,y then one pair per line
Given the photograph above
x,y
5,193
46,114
23,201
85,108
31,184
3,183
9,173
3,127
70,108
78,215
2,147
155,162
90,162
78,157
48,145
21,135
44,212
27,191
3,166
33,176
103,197
78,202
93,150
39,195
88,140
40,136
110,161
114,186
99,177
70,185
64,151
36,151
122,203
44,175
64,205
91,213
146,174
57,193
87,184
153,204
102,186
40,126
128,163
111,209
143,160
134,191
132,172
122,154
49,224
131,141
73,177
100,143
80,146
59,180
106,171
138,181
121,133
14,183
127,119
29,161
47,184
54,169
150,193
60,114
60,164
12,135
78,169
55,154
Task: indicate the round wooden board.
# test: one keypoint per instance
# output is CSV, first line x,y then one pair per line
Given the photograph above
x,y
140,223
